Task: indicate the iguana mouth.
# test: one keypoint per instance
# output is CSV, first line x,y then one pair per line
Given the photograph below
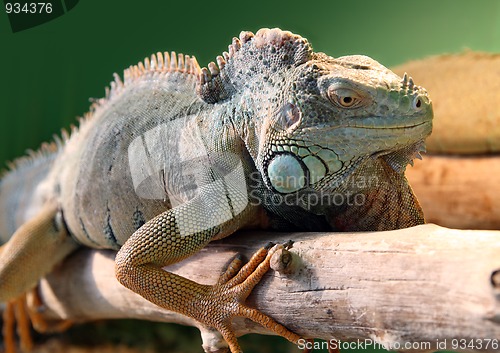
x,y
372,123
396,127
384,123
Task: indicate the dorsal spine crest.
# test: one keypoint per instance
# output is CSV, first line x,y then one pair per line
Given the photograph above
x,y
217,82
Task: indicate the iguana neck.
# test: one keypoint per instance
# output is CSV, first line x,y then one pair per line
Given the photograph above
x,y
375,197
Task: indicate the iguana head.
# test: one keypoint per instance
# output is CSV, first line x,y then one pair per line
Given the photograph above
x,y
309,119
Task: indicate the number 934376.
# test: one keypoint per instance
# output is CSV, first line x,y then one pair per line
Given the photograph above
x,y
28,8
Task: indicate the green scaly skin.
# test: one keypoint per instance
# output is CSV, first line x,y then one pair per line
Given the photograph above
x,y
273,135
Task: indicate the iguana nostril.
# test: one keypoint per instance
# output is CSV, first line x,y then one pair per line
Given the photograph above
x,y
418,102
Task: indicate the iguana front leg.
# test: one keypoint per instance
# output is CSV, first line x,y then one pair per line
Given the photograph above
x,y
175,235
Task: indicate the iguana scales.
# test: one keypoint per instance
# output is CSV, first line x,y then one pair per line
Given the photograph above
x,y
272,136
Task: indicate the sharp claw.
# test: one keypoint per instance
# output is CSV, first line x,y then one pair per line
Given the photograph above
x,y
269,245
288,245
239,257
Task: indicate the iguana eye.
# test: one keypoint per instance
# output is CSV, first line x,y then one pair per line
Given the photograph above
x,y
346,101
344,98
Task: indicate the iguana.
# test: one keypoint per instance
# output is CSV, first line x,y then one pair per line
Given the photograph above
x,y
272,136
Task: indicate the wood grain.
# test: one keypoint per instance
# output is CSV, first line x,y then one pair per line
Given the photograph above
x,y
422,284
458,191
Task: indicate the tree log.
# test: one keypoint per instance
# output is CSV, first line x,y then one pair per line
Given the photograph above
x,y
458,191
408,290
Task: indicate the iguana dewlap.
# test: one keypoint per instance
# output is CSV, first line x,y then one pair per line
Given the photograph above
x,y
273,135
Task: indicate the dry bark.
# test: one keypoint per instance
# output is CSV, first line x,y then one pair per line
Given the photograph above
x,y
424,285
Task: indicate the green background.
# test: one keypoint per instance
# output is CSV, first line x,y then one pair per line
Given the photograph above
x,y
49,72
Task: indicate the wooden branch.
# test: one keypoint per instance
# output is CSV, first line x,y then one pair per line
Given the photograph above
x,y
425,284
458,191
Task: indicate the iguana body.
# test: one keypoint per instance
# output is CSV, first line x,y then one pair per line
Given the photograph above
x,y
176,156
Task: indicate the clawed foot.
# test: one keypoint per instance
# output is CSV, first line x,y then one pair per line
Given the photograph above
x,y
15,316
39,323
226,299
18,317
